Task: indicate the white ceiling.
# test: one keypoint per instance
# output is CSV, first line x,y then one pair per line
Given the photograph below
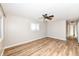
x,y
61,11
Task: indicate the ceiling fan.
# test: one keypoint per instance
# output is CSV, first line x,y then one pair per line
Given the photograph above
x,y
45,16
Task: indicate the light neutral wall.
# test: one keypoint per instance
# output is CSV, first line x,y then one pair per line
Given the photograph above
x,y
57,29
1,32
17,30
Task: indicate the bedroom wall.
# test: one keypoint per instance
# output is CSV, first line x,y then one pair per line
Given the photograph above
x,y
57,29
1,32
18,30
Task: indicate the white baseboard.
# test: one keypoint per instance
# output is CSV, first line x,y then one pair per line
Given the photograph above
x,y
2,52
21,43
57,37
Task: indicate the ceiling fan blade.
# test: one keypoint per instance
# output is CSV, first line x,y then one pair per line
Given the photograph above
x,y
51,16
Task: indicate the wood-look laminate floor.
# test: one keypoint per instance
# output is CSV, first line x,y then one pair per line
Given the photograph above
x,y
44,47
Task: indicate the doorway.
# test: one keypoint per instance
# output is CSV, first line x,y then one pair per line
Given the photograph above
x,y
72,31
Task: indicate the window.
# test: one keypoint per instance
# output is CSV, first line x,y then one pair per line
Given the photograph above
x,y
34,27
